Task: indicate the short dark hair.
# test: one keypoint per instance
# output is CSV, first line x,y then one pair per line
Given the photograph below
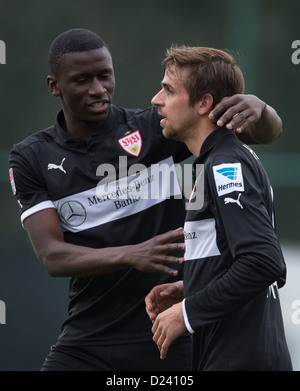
x,y
212,71
71,41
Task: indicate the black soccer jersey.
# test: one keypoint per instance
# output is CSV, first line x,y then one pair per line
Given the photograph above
x,y
115,188
233,262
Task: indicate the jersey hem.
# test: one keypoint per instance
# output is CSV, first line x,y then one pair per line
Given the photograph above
x,y
106,342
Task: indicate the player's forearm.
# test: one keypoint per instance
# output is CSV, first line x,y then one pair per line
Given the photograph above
x,y
68,260
248,277
63,259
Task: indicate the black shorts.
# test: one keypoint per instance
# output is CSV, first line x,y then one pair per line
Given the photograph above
x,y
142,356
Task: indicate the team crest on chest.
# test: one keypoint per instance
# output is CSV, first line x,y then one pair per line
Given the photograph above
x,y
132,143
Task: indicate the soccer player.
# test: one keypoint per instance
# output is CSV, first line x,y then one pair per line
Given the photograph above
x,y
82,187
228,300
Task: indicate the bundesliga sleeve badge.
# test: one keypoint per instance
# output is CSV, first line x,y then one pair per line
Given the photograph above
x,y
12,181
132,143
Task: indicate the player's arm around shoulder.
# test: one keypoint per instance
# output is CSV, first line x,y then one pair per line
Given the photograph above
x,y
254,120
265,130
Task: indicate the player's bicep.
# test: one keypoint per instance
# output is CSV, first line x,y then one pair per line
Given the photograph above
x,y
44,231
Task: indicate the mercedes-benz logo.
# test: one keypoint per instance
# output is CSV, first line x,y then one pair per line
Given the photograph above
x,y
73,213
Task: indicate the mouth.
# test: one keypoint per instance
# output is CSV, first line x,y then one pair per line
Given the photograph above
x,y
99,105
163,120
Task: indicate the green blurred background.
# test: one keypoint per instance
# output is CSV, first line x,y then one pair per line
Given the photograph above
x,y
137,32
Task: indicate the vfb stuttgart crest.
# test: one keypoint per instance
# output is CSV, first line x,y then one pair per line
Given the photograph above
x,y
132,143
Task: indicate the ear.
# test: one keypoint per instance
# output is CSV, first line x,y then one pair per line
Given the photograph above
x,y
205,104
53,86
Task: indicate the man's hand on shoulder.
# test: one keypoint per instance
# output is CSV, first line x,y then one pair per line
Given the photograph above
x,y
254,121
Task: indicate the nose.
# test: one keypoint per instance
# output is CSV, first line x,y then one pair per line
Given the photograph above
x,y
97,87
156,100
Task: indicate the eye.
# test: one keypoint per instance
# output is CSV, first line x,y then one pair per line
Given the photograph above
x,y
105,75
81,80
168,89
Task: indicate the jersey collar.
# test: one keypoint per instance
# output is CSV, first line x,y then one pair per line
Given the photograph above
x,y
211,140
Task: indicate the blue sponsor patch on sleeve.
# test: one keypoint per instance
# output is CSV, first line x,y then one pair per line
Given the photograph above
x,y
228,178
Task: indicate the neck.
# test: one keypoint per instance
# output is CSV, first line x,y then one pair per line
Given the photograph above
x,y
197,137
